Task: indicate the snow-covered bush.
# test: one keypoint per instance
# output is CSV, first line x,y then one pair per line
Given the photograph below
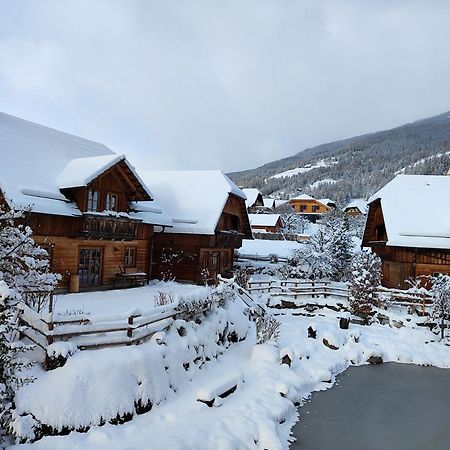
x,y
11,362
24,266
365,277
440,291
170,259
163,298
267,329
273,258
242,277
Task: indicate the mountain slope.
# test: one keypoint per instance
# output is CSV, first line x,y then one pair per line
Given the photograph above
x,y
358,166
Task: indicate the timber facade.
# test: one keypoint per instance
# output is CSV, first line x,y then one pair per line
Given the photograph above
x,y
401,263
92,250
202,251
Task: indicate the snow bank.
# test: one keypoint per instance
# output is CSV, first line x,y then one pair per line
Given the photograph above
x,y
94,387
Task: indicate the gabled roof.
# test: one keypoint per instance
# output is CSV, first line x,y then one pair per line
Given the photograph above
x,y
37,161
264,220
359,203
327,201
416,211
194,199
269,202
252,195
302,197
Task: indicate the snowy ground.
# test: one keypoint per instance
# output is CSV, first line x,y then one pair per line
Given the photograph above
x,y
261,413
120,301
263,247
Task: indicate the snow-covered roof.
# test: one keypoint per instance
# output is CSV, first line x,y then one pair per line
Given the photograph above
x,y
252,196
416,211
37,161
269,202
194,199
327,201
280,202
303,197
264,220
151,212
358,203
81,171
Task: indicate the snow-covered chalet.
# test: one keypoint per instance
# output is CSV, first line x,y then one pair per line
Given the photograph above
x,y
87,205
408,226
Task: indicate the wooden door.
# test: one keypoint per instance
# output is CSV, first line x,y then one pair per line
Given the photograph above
x,y
90,266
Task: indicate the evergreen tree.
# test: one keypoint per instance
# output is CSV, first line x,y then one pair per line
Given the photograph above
x,y
440,291
365,277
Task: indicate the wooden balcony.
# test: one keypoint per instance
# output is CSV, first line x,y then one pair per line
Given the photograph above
x,y
94,226
229,239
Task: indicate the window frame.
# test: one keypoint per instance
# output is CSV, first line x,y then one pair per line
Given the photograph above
x,y
126,257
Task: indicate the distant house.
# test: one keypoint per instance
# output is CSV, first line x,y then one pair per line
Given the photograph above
x,y
408,226
209,221
254,199
87,205
270,223
269,203
328,202
356,207
308,206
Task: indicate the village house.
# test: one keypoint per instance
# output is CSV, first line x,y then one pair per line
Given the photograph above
x,y
408,226
254,199
209,221
270,223
86,205
269,203
356,208
310,207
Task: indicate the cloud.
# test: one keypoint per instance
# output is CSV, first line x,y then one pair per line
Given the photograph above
x,y
227,84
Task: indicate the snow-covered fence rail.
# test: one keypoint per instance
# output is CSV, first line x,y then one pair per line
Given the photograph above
x,y
98,331
297,288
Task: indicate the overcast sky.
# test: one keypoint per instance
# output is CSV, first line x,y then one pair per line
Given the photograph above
x,y
223,84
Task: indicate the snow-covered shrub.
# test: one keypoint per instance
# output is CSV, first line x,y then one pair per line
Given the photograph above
x,y
24,266
365,277
273,258
206,276
242,277
12,364
170,259
440,291
267,329
163,298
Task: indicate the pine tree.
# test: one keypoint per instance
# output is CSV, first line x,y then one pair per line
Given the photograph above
x,y
24,267
365,277
440,291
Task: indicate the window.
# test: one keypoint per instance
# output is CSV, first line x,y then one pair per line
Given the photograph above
x,y
315,208
215,260
205,259
92,200
225,259
89,266
130,257
303,208
111,202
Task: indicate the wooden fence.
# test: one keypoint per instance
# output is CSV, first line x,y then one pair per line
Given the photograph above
x,y
322,288
90,332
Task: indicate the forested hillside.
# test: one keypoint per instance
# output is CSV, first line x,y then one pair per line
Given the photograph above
x,y
359,166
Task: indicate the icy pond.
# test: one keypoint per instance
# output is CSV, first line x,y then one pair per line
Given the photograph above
x,y
389,407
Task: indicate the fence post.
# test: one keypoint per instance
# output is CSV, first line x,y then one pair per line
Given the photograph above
x,y
313,290
50,326
130,329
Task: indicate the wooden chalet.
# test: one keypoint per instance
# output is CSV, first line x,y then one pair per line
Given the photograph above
x,y
254,199
271,223
87,205
209,221
408,226
309,207
356,208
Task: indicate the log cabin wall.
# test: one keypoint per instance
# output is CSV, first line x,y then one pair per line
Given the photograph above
x,y
309,206
65,257
401,263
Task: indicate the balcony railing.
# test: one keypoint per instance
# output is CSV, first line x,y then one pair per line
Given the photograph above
x,y
108,227
229,239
